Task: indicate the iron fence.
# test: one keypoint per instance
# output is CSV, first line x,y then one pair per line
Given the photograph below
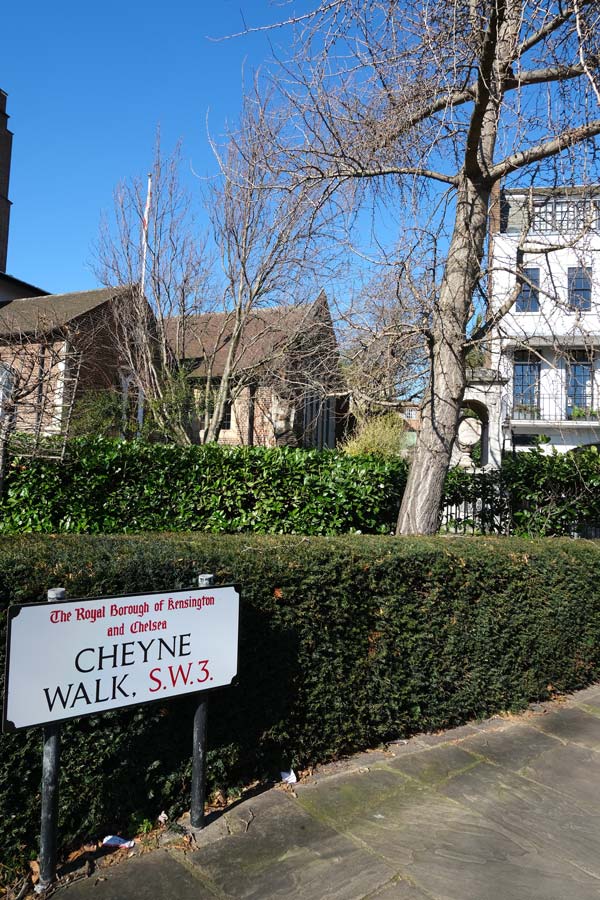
x,y
481,503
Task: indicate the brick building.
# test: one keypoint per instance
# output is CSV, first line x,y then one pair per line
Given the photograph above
x,y
53,349
286,387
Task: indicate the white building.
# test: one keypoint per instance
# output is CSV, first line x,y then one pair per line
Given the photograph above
x,y
546,349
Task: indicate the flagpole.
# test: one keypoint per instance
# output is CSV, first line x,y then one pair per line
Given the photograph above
x,y
145,221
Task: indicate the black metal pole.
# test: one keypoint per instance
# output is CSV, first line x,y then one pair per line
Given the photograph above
x,y
50,767
199,766
50,772
199,747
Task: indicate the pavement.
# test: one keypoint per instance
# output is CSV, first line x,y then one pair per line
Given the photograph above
x,y
505,809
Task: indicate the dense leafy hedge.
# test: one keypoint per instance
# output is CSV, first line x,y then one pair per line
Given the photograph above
x,y
345,642
107,486
534,493
554,493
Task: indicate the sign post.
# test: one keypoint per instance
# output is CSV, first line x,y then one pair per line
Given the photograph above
x,y
50,775
199,746
108,653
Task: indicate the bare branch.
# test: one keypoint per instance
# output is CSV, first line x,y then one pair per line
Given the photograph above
x,y
566,139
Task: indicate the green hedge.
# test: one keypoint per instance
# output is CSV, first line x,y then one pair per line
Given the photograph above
x,y
345,642
534,493
109,486
555,493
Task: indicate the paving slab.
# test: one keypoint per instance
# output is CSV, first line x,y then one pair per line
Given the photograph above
x,y
571,771
398,889
437,764
446,737
153,876
287,853
538,816
571,724
444,849
586,695
505,809
514,747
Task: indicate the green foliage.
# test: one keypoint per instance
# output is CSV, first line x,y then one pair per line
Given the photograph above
x,y
385,436
535,493
476,357
97,412
553,493
345,642
109,486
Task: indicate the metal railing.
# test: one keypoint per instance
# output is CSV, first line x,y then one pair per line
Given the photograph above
x,y
554,408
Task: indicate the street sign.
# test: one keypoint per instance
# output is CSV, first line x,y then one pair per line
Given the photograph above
x,y
81,657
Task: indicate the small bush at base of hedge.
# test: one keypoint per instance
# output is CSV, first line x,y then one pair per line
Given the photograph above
x,y
345,642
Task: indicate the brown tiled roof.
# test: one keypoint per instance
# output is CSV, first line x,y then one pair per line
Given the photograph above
x,y
266,335
41,315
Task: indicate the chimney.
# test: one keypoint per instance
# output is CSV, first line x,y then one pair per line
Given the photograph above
x,y
5,154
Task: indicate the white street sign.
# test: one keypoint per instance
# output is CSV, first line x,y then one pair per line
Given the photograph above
x,y
80,657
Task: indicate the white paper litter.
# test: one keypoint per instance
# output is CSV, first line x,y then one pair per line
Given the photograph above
x,y
113,840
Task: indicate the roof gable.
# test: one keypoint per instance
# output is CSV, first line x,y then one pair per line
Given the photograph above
x,y
42,315
268,333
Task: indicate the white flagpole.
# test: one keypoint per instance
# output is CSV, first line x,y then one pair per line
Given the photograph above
x,y
145,221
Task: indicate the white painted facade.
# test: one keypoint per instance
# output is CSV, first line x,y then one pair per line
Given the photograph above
x,y
546,350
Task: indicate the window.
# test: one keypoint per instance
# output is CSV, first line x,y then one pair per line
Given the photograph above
x,y
560,215
7,384
579,385
526,387
529,296
226,420
580,288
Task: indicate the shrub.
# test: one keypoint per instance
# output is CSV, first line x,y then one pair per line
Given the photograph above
x,y
108,486
97,412
386,435
553,493
345,643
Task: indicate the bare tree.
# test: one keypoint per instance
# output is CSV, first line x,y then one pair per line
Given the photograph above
x,y
187,336
268,241
177,287
431,106
381,335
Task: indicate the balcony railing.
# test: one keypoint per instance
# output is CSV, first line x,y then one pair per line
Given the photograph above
x,y
554,409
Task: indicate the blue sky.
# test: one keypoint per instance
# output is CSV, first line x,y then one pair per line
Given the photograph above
x,y
87,86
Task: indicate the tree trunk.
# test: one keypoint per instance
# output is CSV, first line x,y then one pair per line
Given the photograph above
x,y
421,503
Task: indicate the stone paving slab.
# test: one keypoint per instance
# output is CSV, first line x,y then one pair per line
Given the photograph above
x,y
506,809
287,853
586,695
153,876
446,849
438,764
513,748
573,725
542,818
571,770
398,889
